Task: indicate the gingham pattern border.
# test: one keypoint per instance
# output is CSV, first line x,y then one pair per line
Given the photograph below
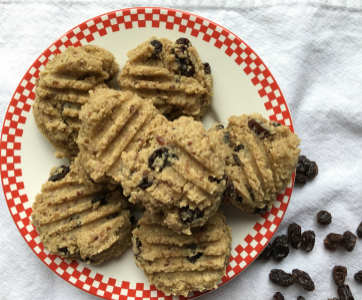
x,y
77,273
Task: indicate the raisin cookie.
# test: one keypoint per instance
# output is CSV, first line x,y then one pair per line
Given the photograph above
x,y
112,122
178,175
260,157
177,263
78,219
61,90
171,75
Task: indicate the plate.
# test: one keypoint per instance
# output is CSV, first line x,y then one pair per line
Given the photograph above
x,y
242,84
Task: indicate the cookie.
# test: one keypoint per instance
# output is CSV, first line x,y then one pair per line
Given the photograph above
x,y
62,89
178,175
112,122
260,157
171,75
177,263
78,219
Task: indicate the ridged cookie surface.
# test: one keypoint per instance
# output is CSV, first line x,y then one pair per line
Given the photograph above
x,y
112,122
78,219
178,175
260,157
178,263
62,89
171,75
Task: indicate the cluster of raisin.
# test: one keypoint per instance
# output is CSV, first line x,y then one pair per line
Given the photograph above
x,y
343,290
284,279
297,239
306,169
279,249
333,241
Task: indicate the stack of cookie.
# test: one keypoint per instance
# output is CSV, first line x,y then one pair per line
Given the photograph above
x,y
146,140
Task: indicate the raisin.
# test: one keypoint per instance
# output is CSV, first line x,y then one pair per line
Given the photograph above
x,y
260,211
237,160
276,124
238,198
145,183
312,170
226,137
183,41
333,241
138,246
114,215
278,296
157,165
358,277
59,173
239,147
267,252
229,192
303,279
213,179
258,128
348,241
308,240
281,278
344,292
102,199
188,215
300,178
219,127
207,68
86,260
280,247
192,247
339,275
64,250
302,165
324,218
300,298
193,259
187,68
157,48
295,235
359,230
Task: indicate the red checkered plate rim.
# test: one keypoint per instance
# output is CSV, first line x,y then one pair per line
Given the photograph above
x,y
151,21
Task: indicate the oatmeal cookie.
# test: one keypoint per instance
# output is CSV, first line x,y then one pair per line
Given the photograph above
x,y
178,175
260,157
178,263
78,219
171,75
62,89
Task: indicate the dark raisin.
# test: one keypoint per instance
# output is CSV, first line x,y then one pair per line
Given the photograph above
x,y
278,296
258,128
102,199
155,164
59,173
324,218
358,277
188,215
333,241
219,127
344,292
183,41
86,259
302,165
213,179
112,216
267,252
281,278
300,298
239,147
174,156
238,198
192,247
145,183
157,48
276,124
187,67
138,246
308,240
229,192
339,275
303,279
295,235
260,211
348,241
312,170
193,259
359,230
64,250
300,178
207,68
280,247
226,137
237,160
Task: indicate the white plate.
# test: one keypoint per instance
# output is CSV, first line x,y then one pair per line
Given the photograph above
x,y
242,84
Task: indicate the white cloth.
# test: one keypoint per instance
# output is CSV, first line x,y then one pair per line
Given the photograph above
x,y
314,52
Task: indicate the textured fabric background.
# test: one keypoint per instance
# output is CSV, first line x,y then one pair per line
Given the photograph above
x,y
314,50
